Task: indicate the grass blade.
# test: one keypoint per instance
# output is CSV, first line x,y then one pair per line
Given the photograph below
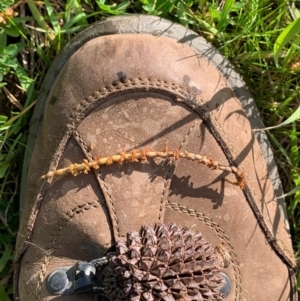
x,y
11,120
52,17
5,257
295,116
3,295
293,51
293,191
76,19
224,14
285,37
40,19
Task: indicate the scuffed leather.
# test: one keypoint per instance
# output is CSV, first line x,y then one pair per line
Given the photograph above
x,y
91,112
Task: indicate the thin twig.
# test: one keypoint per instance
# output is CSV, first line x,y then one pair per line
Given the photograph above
x,y
12,99
290,7
24,52
12,198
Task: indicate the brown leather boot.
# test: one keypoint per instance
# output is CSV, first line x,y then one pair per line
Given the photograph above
x,y
175,197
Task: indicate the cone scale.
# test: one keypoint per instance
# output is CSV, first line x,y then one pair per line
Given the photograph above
x,y
162,264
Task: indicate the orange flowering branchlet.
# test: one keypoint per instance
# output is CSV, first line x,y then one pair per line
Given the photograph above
x,y
142,156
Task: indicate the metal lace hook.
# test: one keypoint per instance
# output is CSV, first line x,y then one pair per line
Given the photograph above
x,y
79,278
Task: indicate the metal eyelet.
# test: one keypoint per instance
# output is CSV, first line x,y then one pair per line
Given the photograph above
x,y
70,280
81,277
225,289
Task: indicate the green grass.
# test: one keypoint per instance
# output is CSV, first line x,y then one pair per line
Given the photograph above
x,y
261,38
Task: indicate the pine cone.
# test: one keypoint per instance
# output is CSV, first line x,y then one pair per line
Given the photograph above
x,y
162,264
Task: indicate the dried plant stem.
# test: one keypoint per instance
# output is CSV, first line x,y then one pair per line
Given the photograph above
x,y
143,156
